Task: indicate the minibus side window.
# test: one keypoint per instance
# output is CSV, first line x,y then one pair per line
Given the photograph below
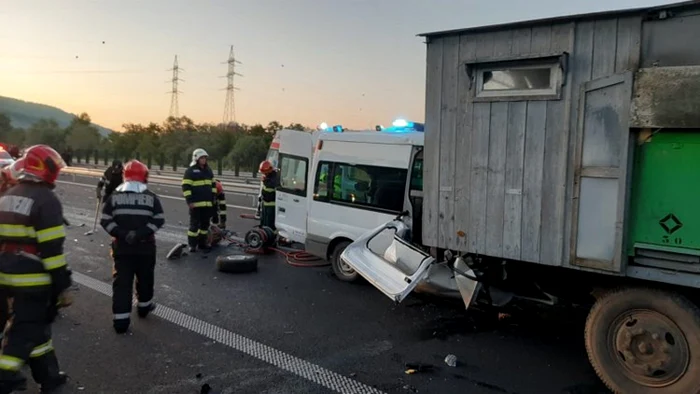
x,y
293,174
321,182
369,186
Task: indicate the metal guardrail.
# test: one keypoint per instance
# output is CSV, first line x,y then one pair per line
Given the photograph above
x,y
243,175
229,185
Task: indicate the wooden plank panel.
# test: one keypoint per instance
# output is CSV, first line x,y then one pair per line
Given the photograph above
x,y
532,180
624,45
629,36
480,157
502,42
448,125
479,170
521,41
495,188
465,133
541,36
515,156
555,158
635,54
580,70
604,47
484,46
431,165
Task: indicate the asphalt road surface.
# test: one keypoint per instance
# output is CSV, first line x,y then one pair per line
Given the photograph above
x,y
290,330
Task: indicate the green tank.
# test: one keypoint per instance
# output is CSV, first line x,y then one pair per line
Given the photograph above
x,y
665,200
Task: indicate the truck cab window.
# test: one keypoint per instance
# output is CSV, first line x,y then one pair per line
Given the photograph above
x,y
417,174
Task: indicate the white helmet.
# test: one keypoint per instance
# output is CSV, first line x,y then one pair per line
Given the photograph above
x,y
197,154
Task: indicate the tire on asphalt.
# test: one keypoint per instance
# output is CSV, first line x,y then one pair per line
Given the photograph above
x,y
341,270
645,341
237,263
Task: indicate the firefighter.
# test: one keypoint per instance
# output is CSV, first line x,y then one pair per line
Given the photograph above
x,y
199,190
337,183
132,215
216,230
33,269
7,180
111,178
270,182
220,202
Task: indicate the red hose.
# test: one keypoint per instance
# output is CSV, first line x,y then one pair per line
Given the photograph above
x,y
295,259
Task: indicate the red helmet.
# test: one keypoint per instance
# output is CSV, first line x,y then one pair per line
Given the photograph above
x,y
41,163
219,187
135,171
266,167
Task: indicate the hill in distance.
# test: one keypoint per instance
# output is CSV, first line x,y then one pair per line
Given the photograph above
x,y
23,114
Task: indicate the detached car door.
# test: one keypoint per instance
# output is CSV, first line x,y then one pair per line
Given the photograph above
x,y
388,261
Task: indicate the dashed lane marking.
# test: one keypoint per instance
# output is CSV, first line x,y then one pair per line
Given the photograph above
x,y
161,195
302,368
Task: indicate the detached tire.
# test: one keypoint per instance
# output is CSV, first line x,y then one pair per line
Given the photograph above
x,y
645,341
341,270
237,263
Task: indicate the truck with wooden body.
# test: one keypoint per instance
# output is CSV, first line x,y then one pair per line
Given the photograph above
x,y
561,165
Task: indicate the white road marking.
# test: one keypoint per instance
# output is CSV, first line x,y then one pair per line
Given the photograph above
x,y
302,368
160,195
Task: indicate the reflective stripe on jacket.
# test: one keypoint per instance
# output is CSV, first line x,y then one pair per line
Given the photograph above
x,y
199,186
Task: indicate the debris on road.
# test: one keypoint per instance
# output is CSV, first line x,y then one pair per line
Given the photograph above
x,y
451,360
237,263
418,367
176,252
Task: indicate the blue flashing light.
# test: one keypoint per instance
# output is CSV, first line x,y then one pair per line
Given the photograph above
x,y
331,129
403,126
403,123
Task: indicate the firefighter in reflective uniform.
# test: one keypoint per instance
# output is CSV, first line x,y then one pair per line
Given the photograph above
x,y
270,182
219,219
111,178
337,183
33,269
132,215
7,180
199,190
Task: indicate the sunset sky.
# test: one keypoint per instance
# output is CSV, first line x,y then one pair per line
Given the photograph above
x,y
351,62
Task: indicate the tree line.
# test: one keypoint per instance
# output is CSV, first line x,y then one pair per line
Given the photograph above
x,y
235,146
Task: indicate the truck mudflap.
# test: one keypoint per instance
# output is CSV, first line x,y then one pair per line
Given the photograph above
x,y
388,261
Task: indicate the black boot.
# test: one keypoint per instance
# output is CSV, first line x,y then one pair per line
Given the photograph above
x,y
17,383
121,326
54,384
144,311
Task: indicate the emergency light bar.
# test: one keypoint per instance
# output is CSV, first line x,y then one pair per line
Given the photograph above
x,y
402,126
334,129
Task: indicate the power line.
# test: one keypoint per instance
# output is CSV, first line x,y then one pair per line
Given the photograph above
x,y
174,92
230,104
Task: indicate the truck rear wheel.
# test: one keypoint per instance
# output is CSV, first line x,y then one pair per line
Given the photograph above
x,y
341,270
645,341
